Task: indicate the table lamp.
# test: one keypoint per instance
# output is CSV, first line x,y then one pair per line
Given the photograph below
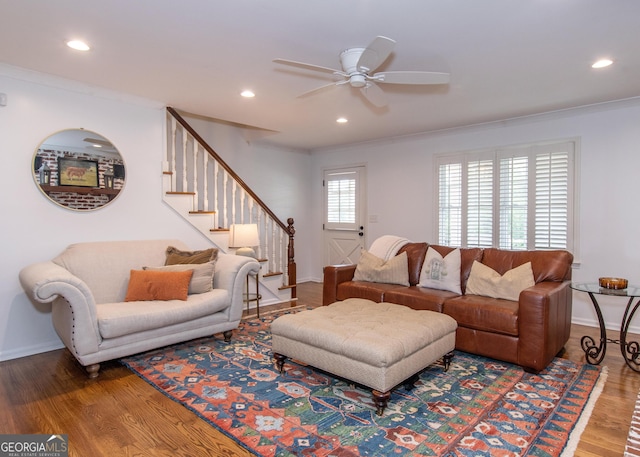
x,y
244,237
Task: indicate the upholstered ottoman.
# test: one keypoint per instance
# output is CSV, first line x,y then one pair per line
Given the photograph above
x,y
378,345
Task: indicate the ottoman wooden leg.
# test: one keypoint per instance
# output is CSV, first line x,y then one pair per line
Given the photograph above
x,y
280,361
410,383
380,399
447,360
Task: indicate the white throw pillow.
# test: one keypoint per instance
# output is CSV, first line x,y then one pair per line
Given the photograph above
x,y
374,269
441,273
488,282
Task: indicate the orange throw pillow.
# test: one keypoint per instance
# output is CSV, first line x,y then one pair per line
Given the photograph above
x,y
147,285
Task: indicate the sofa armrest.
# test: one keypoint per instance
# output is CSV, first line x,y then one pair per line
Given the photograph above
x,y
333,276
544,322
230,274
74,312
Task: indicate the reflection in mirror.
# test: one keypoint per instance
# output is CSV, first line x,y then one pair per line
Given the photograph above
x,y
79,169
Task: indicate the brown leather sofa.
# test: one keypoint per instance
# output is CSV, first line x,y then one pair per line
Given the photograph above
x,y
529,332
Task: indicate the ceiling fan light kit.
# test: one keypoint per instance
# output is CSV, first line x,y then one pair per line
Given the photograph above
x,y
357,65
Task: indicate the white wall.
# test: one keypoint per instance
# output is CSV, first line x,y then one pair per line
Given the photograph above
x,y
401,187
34,229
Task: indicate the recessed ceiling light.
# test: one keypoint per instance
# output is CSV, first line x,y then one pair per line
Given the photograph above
x,y
342,120
602,63
78,45
247,93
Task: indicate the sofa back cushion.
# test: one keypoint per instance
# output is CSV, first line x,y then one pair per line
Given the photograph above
x,y
546,265
416,253
105,266
467,257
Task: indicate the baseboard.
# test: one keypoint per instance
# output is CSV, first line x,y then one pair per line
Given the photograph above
x,y
30,350
613,327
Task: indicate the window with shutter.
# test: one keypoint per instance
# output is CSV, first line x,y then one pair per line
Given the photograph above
x,y
341,200
514,198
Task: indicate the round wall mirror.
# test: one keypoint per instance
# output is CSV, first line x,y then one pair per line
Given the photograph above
x,y
79,169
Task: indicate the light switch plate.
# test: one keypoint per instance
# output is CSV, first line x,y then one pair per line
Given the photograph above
x,y
3,99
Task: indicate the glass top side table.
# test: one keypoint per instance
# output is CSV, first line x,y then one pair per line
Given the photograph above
x,y
630,349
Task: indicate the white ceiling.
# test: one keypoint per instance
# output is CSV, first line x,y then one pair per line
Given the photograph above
x,y
507,58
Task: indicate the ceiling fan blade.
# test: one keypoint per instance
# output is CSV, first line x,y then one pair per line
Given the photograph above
x,y
376,53
374,94
411,77
308,66
321,88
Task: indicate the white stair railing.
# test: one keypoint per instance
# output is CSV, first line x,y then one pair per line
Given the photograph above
x,y
196,169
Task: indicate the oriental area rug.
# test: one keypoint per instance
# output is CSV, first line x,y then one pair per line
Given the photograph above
x,y
479,407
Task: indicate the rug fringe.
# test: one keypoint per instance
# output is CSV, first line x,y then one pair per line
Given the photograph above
x,y
632,448
574,438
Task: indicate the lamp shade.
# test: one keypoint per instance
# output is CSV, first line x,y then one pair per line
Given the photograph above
x,y
243,235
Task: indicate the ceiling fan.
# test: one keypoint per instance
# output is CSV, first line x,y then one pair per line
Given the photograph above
x,y
358,65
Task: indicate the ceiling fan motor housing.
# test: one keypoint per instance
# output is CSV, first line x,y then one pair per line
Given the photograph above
x,y
349,59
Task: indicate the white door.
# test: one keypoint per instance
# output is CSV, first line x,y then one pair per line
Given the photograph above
x,y
344,215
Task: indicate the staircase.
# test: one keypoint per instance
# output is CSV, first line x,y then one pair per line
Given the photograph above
x,y
207,193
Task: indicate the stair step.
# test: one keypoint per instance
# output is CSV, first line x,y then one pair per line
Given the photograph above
x,y
167,172
291,286
271,273
219,229
202,212
180,193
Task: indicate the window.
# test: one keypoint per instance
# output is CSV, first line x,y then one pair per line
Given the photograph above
x,y
341,209
514,198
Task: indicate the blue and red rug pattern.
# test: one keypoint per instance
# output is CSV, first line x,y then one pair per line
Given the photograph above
x,y
480,407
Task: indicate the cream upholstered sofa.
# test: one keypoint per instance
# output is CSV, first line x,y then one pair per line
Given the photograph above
x,y
87,285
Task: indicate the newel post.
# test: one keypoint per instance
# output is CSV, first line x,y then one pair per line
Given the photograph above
x,y
291,266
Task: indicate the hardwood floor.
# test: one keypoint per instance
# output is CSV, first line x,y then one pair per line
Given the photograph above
x,y
118,414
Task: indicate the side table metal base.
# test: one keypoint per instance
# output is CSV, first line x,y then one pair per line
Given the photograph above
x,y
595,351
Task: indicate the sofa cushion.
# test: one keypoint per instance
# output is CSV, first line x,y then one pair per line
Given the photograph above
x,y
158,285
202,279
488,282
467,257
176,256
487,314
374,269
440,272
416,253
417,297
124,318
373,291
546,265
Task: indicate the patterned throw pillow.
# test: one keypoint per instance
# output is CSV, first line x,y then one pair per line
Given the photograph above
x,y
484,280
441,273
374,269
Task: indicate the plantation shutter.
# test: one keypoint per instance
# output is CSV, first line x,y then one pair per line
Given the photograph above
x,y
450,204
480,190
553,192
514,202
341,200
514,198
